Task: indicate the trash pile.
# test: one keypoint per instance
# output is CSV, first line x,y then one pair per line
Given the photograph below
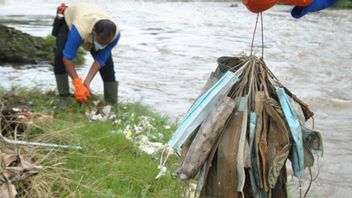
x,y
239,133
101,112
139,132
142,133
28,168
14,169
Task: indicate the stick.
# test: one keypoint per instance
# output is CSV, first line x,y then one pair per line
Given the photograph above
x,y
20,142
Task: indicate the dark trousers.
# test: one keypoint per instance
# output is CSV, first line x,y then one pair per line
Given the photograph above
x,y
60,31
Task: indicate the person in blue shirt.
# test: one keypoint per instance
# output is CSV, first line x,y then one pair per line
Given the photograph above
x,y
88,26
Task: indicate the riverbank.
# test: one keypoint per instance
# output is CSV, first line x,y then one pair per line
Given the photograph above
x,y
119,156
343,4
19,48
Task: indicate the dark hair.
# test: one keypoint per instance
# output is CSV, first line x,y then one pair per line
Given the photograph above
x,y
105,28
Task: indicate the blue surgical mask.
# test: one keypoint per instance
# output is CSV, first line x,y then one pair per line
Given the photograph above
x,y
98,46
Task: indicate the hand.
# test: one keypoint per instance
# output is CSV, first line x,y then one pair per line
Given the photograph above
x,y
81,91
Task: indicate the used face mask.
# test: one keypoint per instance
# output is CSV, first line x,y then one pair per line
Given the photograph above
x,y
98,46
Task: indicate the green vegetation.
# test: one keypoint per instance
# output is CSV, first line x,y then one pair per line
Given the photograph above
x,y
20,48
109,165
343,4
49,46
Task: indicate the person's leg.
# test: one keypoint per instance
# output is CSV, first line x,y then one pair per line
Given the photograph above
x,y
59,67
110,84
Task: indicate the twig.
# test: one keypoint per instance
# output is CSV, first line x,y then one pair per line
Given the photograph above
x,y
310,182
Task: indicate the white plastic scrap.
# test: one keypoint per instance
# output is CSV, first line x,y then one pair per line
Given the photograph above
x,y
191,190
149,147
162,172
16,109
107,109
133,133
145,122
116,121
98,117
96,102
144,125
106,114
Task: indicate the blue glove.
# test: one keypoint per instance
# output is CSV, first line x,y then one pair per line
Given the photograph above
x,y
298,12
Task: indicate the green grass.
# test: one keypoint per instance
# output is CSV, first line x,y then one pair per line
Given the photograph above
x,y
109,165
50,43
343,4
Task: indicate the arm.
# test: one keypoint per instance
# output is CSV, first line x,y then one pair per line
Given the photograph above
x,y
99,61
70,68
92,71
73,42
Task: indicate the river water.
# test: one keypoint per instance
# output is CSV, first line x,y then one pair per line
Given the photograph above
x,y
168,49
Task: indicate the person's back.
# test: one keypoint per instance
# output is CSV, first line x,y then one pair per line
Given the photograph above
x,y
84,16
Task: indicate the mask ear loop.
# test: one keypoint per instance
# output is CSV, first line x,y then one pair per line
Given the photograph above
x,y
93,41
167,151
100,46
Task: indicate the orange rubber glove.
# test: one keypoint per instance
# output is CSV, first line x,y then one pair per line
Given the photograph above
x,y
81,92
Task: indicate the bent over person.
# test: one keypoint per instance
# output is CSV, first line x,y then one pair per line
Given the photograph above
x,y
88,26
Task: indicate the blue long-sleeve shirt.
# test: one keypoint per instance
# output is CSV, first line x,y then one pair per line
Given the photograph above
x,y
74,41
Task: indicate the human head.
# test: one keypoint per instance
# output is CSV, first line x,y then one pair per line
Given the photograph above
x,y
104,31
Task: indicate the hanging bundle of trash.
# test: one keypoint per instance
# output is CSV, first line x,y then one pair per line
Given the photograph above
x,y
238,134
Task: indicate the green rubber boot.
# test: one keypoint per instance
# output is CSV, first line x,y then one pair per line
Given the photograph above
x,y
63,89
111,92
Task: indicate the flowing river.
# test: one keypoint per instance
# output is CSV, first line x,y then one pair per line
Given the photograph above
x,y
168,49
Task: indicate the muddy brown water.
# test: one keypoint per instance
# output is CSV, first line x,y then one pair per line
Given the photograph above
x,y
167,51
